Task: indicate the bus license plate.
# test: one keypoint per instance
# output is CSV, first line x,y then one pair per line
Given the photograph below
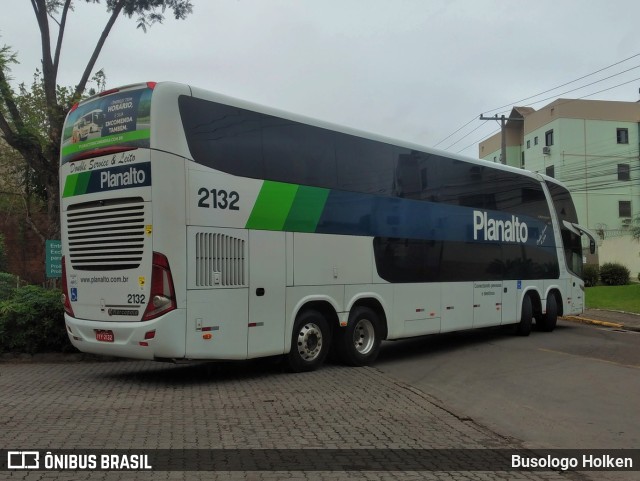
x,y
104,336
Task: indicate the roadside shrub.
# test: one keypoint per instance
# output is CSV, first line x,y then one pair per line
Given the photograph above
x,y
614,274
590,275
7,285
3,254
32,321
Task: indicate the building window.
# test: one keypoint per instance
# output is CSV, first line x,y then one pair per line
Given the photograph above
x,y
522,161
624,172
624,208
622,135
535,140
551,171
528,144
548,138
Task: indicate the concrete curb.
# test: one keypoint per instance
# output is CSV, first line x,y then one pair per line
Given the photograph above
x,y
614,325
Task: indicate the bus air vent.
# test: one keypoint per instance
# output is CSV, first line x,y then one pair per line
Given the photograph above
x,y
220,260
106,235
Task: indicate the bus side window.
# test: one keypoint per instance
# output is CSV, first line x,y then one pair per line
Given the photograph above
x,y
298,153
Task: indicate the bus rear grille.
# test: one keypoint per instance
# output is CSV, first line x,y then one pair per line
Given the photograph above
x,y
220,260
107,235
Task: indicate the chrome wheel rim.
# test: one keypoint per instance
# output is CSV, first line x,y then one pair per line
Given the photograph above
x,y
364,336
309,342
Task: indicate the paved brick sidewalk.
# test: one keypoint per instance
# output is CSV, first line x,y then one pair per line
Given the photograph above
x,y
145,405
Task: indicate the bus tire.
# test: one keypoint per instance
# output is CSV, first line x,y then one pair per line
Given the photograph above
x,y
358,344
547,322
310,342
523,328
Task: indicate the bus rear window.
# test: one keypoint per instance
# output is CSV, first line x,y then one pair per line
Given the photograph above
x,y
120,119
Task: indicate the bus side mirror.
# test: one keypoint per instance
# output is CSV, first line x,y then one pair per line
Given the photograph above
x,y
592,246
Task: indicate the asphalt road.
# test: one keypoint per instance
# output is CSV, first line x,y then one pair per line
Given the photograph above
x,y
578,387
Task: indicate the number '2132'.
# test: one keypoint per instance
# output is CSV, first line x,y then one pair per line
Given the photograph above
x,y
218,199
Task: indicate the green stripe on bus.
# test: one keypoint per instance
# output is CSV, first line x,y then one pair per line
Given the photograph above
x,y
272,206
76,184
306,209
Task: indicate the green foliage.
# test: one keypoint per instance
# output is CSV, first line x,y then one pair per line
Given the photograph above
x,y
7,285
590,275
3,255
32,321
614,274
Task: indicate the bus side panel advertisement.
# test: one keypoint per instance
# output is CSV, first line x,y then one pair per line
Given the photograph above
x,y
121,119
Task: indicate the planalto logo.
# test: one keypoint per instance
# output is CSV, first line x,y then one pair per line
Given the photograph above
x,y
130,178
490,229
114,177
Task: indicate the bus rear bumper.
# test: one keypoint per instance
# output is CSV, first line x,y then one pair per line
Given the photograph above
x,y
163,337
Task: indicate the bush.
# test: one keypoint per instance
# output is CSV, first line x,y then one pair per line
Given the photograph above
x,y
3,254
32,320
590,275
613,274
7,285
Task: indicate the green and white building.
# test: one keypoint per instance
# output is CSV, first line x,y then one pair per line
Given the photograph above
x,y
593,147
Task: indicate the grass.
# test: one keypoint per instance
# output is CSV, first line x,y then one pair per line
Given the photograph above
x,y
618,298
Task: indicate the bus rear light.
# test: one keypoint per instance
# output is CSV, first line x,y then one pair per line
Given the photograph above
x,y
108,92
66,301
162,294
103,151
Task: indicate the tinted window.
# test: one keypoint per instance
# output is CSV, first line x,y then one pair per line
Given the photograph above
x,y
298,153
223,137
563,203
364,165
566,211
414,260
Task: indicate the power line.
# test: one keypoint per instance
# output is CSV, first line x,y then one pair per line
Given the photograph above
x,y
562,103
543,92
588,85
565,84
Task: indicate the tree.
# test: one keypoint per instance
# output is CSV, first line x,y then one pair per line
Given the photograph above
x,y
37,139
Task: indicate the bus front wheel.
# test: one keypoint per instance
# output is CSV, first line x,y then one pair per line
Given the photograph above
x,y
310,342
358,343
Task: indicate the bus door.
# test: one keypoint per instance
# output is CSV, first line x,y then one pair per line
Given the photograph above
x,y
510,289
267,278
487,303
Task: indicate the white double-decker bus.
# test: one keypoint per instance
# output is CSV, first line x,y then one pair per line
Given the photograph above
x,y
198,226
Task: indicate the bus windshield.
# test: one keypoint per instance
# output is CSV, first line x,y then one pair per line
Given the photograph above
x,y
567,212
119,119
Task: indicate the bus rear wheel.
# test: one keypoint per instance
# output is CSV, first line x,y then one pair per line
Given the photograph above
x,y
358,343
523,328
310,342
547,322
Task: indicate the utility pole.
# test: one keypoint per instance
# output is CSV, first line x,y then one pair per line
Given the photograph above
x,y
503,136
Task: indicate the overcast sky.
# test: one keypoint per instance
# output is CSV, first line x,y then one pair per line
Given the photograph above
x,y
415,70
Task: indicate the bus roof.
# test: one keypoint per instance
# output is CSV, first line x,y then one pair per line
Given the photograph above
x,y
165,123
